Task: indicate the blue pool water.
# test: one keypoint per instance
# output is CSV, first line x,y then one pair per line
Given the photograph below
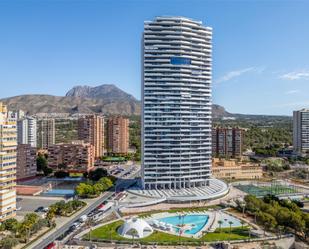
x,y
226,218
60,192
197,222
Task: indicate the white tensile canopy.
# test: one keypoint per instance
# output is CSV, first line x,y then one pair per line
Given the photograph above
x,y
137,228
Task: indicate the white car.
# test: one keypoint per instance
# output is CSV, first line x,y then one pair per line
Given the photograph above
x,y
83,218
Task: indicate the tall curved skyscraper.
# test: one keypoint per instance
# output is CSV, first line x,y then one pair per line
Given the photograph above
x,y
176,95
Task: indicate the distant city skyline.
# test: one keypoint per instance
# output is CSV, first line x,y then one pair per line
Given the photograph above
x,y
260,48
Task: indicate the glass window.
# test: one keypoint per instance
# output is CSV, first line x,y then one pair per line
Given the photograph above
x,y
180,61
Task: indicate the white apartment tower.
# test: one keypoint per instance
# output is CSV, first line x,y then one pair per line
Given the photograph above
x,y
27,131
176,95
301,131
45,133
8,143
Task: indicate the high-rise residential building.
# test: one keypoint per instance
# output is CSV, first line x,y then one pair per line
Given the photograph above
x,y
8,143
77,156
45,133
91,130
27,131
301,131
20,114
26,162
227,142
118,135
176,112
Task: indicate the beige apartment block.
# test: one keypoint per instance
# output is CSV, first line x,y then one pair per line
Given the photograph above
x,y
8,144
118,135
77,156
234,169
91,130
26,162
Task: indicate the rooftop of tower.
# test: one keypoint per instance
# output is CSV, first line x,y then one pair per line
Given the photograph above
x,y
182,18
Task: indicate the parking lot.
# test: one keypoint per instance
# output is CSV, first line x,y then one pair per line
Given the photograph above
x,y
123,171
28,204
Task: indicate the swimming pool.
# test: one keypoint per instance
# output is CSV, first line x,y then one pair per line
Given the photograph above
x,y
192,223
225,218
60,192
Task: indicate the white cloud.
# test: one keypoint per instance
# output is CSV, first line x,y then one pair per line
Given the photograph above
x,y
291,92
296,75
236,73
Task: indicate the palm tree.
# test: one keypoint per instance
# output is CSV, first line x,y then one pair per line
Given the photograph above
x,y
202,238
133,233
243,206
50,216
242,224
280,230
89,224
220,222
230,223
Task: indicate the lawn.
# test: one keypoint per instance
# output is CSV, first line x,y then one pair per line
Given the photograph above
x,y
76,174
109,232
113,159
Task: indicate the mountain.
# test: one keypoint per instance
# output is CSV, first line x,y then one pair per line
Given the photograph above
x,y
219,111
106,91
106,99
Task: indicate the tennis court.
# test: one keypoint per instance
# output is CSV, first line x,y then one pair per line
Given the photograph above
x,y
265,189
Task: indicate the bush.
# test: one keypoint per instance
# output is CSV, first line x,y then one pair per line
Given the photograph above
x,y
47,171
63,208
61,174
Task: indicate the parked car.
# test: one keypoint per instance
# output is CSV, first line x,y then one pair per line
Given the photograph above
x,y
83,218
76,225
39,209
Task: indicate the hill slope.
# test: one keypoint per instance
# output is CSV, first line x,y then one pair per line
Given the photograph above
x,y
106,99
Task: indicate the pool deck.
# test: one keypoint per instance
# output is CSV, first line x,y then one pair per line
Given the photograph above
x,y
210,226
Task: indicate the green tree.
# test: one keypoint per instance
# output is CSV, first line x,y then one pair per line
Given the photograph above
x,y
230,223
47,171
84,190
242,223
296,222
8,242
106,183
266,220
97,174
41,163
220,222
10,224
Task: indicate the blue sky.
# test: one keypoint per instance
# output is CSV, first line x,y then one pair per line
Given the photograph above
x,y
260,57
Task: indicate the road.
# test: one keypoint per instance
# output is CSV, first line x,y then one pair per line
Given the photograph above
x,y
50,237
55,233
